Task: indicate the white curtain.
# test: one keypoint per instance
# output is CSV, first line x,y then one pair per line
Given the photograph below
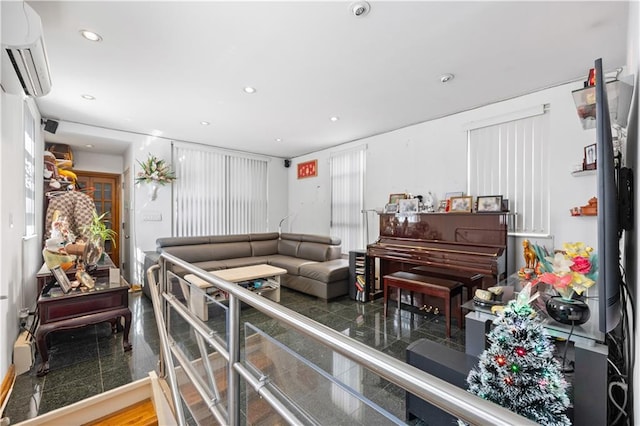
x,y
512,159
347,170
218,193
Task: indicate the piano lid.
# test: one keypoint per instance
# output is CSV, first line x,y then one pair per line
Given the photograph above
x,y
460,228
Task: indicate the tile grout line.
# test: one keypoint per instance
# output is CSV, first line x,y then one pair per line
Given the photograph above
x,y
100,362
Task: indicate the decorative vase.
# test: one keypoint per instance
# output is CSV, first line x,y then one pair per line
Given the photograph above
x,y
93,250
153,191
568,311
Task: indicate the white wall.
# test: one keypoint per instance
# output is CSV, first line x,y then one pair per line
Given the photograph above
x,y
96,162
431,156
19,257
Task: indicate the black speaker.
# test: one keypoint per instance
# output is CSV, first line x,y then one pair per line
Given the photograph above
x,y
287,163
51,126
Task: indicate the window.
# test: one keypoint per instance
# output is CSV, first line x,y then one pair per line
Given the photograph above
x,y
218,193
29,172
347,197
511,159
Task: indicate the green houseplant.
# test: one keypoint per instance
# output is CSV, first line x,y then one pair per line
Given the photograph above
x,y
98,233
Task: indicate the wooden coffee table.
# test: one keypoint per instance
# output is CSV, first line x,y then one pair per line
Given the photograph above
x,y
270,288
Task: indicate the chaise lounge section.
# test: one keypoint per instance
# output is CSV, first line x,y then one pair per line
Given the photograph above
x,y
314,263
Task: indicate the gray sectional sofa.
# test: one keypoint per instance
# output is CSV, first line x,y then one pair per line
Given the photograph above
x,y
314,263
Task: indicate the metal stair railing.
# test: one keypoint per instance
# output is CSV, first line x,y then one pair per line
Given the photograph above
x,y
457,402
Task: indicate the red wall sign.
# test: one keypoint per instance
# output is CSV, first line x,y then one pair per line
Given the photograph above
x,y
308,169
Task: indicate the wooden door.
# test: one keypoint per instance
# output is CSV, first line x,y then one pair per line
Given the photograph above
x,y
104,188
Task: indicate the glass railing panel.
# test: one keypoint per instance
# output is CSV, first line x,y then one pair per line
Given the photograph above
x,y
317,384
189,346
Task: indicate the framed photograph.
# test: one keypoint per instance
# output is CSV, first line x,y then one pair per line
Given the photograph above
x,y
505,205
450,195
590,157
489,204
394,198
391,208
61,277
460,204
408,206
442,206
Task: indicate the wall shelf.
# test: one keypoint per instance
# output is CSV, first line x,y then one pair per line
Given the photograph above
x,y
579,173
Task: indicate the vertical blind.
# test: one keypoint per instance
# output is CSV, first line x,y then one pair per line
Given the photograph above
x,y
347,170
512,159
218,193
29,172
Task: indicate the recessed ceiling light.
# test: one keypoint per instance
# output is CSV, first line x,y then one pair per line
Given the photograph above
x,y
88,145
88,97
278,139
90,35
249,89
360,8
334,118
205,123
444,78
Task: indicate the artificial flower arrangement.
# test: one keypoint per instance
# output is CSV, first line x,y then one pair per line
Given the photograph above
x,y
572,270
155,170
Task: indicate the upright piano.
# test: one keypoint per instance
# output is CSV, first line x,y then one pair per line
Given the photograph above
x,y
445,242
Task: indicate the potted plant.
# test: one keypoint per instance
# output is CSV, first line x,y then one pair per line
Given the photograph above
x,y
98,233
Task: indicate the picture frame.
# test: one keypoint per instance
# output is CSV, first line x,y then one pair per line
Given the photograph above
x,y
62,279
394,198
391,208
408,206
450,195
590,159
489,204
308,169
460,204
505,205
442,206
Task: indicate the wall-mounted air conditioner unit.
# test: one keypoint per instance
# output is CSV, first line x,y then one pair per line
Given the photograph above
x,y
23,51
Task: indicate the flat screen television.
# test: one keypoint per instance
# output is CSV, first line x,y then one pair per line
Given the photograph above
x,y
609,276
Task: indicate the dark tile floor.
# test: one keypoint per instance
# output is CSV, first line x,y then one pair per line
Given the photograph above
x,y
91,360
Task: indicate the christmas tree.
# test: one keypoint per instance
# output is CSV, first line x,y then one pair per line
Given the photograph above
x,y
518,370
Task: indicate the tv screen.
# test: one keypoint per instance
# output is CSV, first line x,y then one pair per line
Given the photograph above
x,y
609,276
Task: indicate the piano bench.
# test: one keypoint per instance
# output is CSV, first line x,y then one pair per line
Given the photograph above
x,y
471,280
430,286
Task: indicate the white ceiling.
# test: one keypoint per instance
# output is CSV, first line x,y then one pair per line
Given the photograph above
x,y
163,67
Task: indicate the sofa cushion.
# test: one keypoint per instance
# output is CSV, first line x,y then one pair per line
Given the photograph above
x,y
264,236
212,265
245,261
180,241
291,236
209,265
221,251
264,248
326,272
313,251
321,239
191,253
291,264
217,239
288,247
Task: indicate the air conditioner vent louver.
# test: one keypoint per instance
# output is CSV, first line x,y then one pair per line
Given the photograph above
x,y
24,46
